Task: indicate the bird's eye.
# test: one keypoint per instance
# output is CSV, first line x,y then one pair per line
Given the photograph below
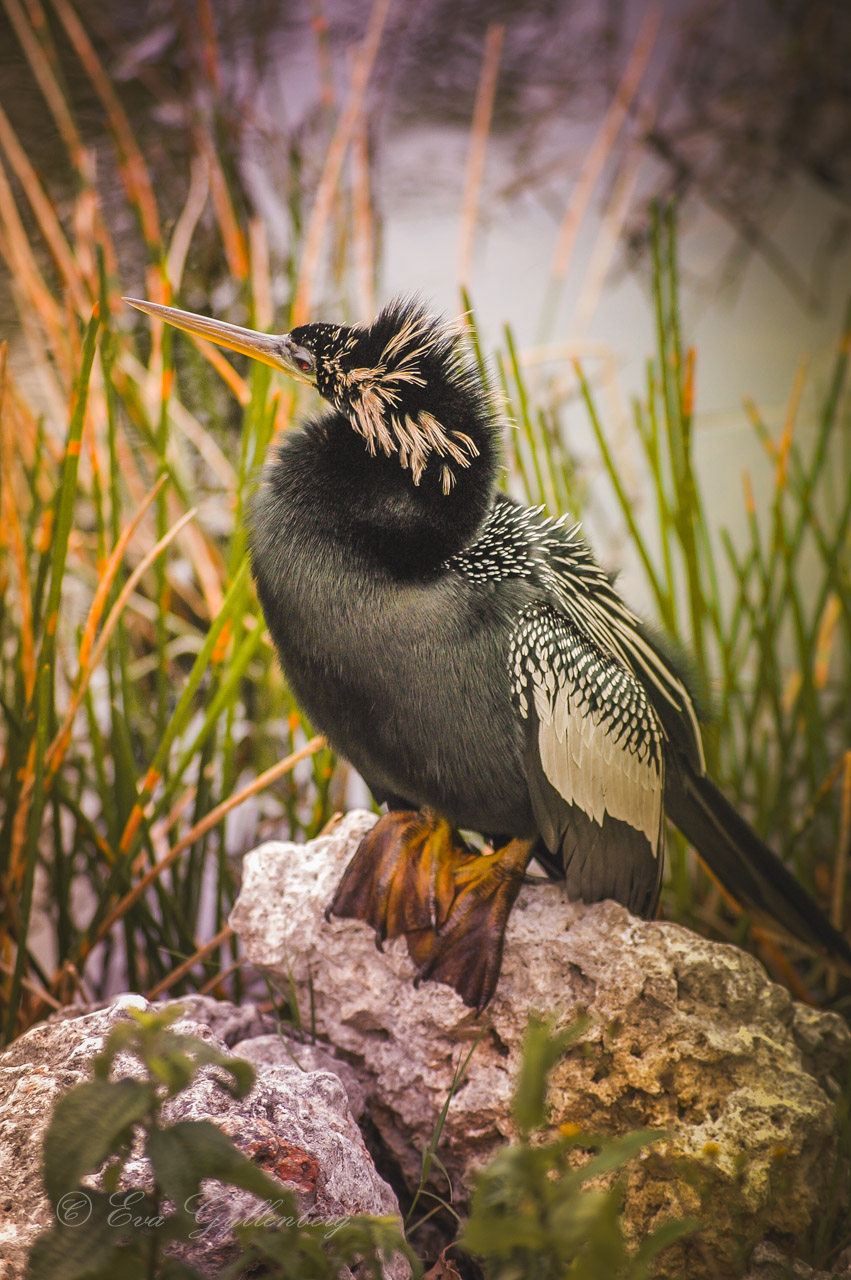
x,y
304,363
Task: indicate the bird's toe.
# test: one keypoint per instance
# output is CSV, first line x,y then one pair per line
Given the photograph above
x,y
401,879
466,952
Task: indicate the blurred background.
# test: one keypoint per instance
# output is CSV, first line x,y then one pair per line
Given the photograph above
x,y
645,211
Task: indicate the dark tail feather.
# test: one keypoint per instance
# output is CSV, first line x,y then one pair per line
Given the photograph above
x,y
745,865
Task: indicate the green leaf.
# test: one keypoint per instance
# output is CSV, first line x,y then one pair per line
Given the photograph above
x,y
541,1051
320,1250
429,1156
90,1122
660,1239
172,1058
174,1269
363,1242
190,1150
297,1250
136,1034
616,1152
83,1249
174,1068
242,1074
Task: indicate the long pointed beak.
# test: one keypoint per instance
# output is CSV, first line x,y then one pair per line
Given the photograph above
x,y
272,349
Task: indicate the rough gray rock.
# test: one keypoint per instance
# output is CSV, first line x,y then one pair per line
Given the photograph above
x,y
296,1124
276,1050
687,1035
768,1263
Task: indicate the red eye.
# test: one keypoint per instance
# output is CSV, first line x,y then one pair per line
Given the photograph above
x,y
303,364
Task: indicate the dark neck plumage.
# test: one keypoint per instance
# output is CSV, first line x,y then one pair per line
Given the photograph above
x,y
325,484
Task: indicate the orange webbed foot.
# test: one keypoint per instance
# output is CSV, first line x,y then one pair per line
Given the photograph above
x,y
413,876
401,878
466,951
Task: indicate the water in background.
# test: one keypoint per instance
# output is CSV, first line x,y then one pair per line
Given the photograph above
x,y
576,86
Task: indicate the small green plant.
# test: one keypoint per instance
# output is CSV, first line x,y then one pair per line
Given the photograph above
x,y
429,1156
533,1212
114,1231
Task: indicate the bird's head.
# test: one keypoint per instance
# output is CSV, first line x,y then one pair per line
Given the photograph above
x,y
405,382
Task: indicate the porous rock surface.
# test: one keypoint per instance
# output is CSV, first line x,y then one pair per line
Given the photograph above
x,y
296,1124
686,1035
769,1263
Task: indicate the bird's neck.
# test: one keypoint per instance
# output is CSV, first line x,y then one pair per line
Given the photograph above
x,y
325,486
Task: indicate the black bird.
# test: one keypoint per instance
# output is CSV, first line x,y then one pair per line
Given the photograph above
x,y
471,659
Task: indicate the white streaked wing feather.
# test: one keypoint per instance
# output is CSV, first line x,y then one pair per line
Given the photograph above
x,y
598,738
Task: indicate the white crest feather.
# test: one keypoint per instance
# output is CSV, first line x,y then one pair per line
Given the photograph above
x,y
372,397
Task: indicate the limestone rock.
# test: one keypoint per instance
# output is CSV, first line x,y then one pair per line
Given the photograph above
x,y
296,1124
274,1050
768,1263
687,1035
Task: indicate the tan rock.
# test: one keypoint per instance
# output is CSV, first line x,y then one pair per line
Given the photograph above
x,y
687,1035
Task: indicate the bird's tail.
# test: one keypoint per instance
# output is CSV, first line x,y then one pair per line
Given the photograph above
x,y
745,865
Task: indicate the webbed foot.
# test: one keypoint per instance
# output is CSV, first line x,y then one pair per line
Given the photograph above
x,y
401,879
466,951
412,875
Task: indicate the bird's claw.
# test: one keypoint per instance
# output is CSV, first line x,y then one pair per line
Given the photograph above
x,y
466,952
413,876
401,878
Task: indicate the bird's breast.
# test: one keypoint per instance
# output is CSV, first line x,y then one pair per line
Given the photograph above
x,y
408,679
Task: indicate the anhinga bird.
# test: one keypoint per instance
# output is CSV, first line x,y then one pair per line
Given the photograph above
x,y
471,659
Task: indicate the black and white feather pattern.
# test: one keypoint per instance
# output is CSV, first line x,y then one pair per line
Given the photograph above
x,y
596,701
518,541
599,742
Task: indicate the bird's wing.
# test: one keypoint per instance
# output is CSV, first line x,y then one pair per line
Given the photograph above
x,y
521,542
594,759
585,594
